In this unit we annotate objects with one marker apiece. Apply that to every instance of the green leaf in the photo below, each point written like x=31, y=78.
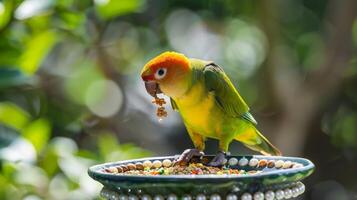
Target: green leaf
x=5, y=12
x=86, y=154
x=107, y=144
x=8, y=169
x=49, y=161
x=108, y=9
x=10, y=51
x=13, y=116
x=71, y=20
x=38, y=133
x=36, y=50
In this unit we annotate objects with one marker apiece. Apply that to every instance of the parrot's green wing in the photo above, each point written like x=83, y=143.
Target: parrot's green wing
x=226, y=96
x=173, y=104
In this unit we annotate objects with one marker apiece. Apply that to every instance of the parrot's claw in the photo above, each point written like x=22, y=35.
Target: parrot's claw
x=219, y=160
x=186, y=156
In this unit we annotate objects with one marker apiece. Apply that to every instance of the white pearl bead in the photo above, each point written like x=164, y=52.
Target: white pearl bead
x=215, y=197
x=114, y=197
x=166, y=163
x=295, y=191
x=269, y=195
x=243, y=162
x=147, y=163
x=258, y=196
x=279, y=164
x=158, y=197
x=231, y=197
x=287, y=164
x=233, y=161
x=186, y=197
x=288, y=193
x=132, y=197
x=253, y=162
x=145, y=197
x=172, y=197
x=299, y=184
x=200, y=197
x=302, y=188
x=246, y=196
x=279, y=194
x=157, y=164
x=104, y=194
x=123, y=197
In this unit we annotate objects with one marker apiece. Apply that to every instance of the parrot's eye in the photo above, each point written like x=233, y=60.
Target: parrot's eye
x=160, y=73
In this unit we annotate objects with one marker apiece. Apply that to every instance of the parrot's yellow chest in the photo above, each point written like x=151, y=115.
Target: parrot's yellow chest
x=196, y=109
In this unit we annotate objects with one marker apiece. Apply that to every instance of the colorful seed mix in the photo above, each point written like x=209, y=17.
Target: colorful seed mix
x=167, y=167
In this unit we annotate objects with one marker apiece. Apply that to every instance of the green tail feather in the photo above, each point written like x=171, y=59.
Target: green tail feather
x=265, y=147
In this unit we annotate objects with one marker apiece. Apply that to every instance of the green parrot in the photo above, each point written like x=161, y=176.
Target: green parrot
x=208, y=102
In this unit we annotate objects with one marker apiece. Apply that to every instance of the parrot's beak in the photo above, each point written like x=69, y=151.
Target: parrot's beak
x=152, y=88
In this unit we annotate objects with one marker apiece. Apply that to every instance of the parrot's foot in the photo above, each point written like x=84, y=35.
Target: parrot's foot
x=186, y=156
x=218, y=160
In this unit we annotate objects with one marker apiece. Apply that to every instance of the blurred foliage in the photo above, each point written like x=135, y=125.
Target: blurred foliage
x=69, y=85
x=40, y=157
x=110, y=8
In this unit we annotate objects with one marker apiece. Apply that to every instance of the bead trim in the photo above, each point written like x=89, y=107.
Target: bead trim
x=284, y=193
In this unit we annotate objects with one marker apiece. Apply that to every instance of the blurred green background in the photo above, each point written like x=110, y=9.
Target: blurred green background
x=71, y=95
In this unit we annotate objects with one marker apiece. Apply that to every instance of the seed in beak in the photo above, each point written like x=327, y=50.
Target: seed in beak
x=152, y=88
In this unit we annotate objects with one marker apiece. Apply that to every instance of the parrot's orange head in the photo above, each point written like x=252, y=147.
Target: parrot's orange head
x=166, y=73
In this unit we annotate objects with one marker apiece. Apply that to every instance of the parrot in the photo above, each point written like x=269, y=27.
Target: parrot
x=209, y=104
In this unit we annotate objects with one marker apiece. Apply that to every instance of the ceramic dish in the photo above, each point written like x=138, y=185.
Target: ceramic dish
x=286, y=174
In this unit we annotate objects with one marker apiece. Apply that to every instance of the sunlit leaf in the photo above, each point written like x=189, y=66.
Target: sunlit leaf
x=10, y=51
x=86, y=154
x=36, y=50
x=107, y=144
x=39, y=24
x=112, y=8
x=71, y=20
x=64, y=3
x=5, y=12
x=13, y=116
x=38, y=133
x=49, y=162
x=8, y=169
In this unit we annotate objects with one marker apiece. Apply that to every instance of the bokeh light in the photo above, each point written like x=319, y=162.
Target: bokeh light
x=104, y=98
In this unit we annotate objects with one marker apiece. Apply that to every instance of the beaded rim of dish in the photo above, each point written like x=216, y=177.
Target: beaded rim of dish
x=233, y=161
x=284, y=193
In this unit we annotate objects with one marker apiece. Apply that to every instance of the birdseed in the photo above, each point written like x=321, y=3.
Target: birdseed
x=160, y=112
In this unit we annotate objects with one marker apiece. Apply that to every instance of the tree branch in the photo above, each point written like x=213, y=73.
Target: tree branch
x=302, y=100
